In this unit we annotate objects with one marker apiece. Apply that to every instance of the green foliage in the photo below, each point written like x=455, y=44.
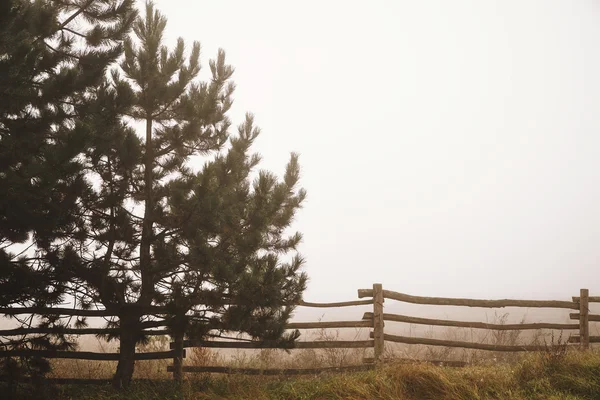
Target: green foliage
x=46, y=73
x=211, y=244
x=49, y=63
x=117, y=217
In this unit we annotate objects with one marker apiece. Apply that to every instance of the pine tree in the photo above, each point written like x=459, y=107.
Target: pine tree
x=52, y=54
x=209, y=245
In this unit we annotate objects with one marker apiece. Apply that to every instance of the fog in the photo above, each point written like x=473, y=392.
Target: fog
x=448, y=148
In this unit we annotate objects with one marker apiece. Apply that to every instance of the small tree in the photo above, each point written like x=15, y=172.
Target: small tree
x=154, y=232
x=52, y=54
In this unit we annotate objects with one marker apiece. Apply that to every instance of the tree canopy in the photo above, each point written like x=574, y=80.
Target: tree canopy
x=176, y=214
x=52, y=54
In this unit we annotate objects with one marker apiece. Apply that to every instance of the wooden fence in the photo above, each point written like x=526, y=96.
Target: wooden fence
x=580, y=303
x=374, y=320
x=178, y=369
x=77, y=355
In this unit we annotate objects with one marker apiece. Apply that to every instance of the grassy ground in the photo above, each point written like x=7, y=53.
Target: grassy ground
x=557, y=373
x=564, y=376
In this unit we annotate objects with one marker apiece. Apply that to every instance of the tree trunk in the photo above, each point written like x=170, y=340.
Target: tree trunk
x=147, y=289
x=130, y=326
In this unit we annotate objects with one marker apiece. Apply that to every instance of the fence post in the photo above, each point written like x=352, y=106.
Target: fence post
x=378, y=320
x=178, y=357
x=584, y=325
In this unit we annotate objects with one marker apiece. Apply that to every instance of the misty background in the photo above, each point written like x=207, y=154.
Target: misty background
x=448, y=148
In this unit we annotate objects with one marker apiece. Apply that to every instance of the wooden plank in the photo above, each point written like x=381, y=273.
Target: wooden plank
x=266, y=345
x=339, y=344
x=584, y=323
x=591, y=299
x=72, y=331
x=441, y=363
x=465, y=324
x=576, y=339
x=443, y=301
x=591, y=317
x=65, y=381
x=74, y=311
x=57, y=311
x=378, y=323
x=331, y=324
x=256, y=371
x=339, y=304
x=103, y=331
x=464, y=345
x=85, y=355
x=79, y=381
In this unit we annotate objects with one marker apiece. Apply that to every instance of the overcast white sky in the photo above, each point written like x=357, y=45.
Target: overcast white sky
x=449, y=148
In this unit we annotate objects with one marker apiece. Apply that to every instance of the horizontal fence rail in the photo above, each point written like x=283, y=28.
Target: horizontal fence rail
x=591, y=317
x=325, y=344
x=443, y=301
x=75, y=311
x=269, y=371
x=338, y=304
x=591, y=339
x=78, y=381
x=591, y=299
x=466, y=324
x=74, y=331
x=57, y=311
x=464, y=345
x=330, y=324
x=446, y=363
x=85, y=355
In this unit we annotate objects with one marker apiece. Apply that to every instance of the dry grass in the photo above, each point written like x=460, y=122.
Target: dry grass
x=312, y=358
x=548, y=338
x=155, y=369
x=550, y=375
x=553, y=374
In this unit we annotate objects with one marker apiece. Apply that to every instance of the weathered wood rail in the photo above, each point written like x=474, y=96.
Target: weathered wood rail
x=464, y=345
x=325, y=344
x=77, y=311
x=339, y=304
x=590, y=317
x=591, y=299
x=468, y=324
x=272, y=371
x=442, y=301
x=85, y=355
x=591, y=339
x=329, y=325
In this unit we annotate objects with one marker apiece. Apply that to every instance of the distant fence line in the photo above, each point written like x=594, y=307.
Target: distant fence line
x=374, y=320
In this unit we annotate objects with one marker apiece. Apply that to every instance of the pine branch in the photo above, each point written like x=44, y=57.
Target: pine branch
x=74, y=32
x=61, y=52
x=74, y=15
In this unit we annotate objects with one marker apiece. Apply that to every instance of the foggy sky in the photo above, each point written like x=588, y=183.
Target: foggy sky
x=449, y=148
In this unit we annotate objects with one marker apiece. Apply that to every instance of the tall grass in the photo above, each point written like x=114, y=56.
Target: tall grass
x=557, y=373
x=543, y=376
x=313, y=358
